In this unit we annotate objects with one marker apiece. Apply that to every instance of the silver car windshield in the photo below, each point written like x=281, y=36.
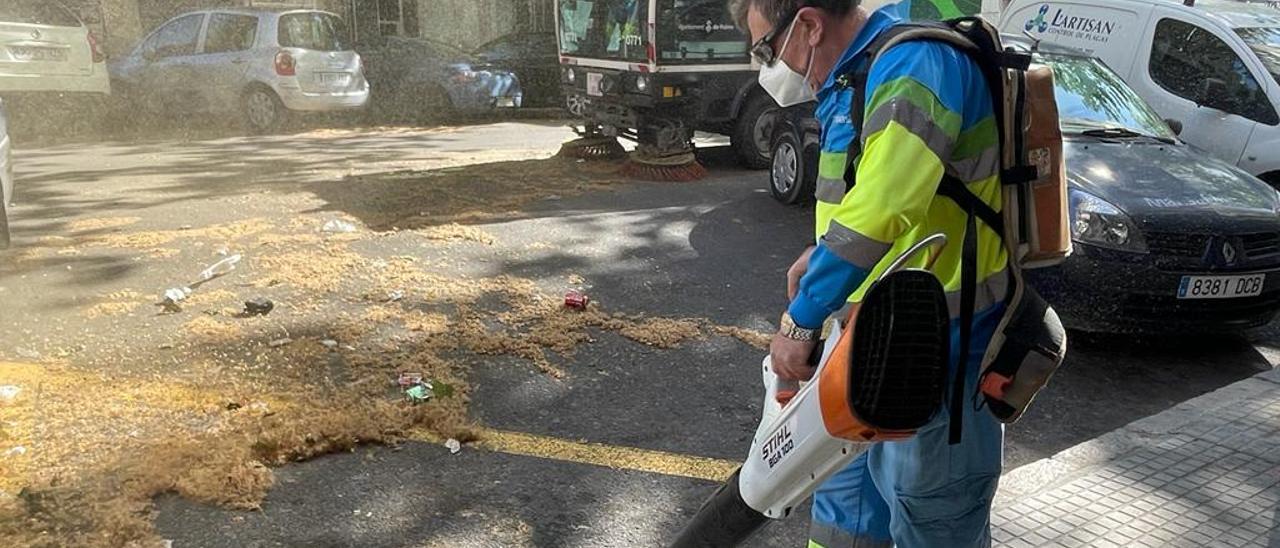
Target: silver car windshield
x=1265, y=42
x=1091, y=96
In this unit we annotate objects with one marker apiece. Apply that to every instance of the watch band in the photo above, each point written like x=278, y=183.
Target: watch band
x=790, y=330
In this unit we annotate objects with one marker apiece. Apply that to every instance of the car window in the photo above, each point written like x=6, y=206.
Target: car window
x=313, y=30
x=1184, y=57
x=503, y=48
x=37, y=12
x=230, y=32
x=178, y=37
x=1265, y=42
x=1091, y=96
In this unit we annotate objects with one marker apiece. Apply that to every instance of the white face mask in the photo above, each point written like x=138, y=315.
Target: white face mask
x=786, y=86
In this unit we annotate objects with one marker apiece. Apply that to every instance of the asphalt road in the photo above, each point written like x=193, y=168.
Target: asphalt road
x=714, y=249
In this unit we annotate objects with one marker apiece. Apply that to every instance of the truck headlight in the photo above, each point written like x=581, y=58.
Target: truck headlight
x=1095, y=221
x=570, y=75
x=642, y=83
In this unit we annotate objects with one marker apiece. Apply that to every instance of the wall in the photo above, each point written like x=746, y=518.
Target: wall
x=471, y=23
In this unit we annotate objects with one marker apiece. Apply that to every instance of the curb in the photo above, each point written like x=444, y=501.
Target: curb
x=1180, y=419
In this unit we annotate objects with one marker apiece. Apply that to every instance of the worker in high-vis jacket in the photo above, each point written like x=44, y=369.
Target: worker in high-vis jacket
x=928, y=113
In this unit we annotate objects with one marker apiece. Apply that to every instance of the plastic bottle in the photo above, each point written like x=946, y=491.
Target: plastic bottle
x=220, y=268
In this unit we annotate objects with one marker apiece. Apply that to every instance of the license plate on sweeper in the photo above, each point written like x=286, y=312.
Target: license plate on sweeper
x=1221, y=287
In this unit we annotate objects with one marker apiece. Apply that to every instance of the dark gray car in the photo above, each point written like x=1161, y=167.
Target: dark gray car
x=414, y=78
x=1167, y=238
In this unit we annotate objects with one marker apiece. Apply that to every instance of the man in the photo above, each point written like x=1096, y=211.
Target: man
x=928, y=112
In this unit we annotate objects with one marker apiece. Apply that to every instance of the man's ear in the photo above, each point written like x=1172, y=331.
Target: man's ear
x=812, y=19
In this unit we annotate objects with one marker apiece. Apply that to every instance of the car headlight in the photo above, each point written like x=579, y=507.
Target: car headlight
x=1095, y=221
x=642, y=83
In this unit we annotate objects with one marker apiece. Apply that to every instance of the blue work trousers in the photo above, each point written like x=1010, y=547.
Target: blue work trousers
x=921, y=492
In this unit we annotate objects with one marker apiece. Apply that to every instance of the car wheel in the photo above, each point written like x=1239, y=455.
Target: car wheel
x=792, y=171
x=438, y=103
x=263, y=111
x=751, y=135
x=4, y=220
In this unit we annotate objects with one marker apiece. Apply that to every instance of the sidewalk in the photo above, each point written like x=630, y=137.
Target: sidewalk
x=1203, y=473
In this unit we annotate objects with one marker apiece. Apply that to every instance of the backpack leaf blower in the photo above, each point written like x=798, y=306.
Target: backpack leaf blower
x=882, y=377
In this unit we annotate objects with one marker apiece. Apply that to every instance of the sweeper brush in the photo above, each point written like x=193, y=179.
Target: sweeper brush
x=594, y=147
x=681, y=167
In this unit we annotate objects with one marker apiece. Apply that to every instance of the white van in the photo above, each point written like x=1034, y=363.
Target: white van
x=1212, y=66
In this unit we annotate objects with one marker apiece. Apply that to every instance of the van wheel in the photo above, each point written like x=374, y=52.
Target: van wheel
x=754, y=130
x=793, y=171
x=263, y=111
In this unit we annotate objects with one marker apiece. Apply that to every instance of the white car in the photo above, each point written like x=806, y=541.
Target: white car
x=45, y=48
x=262, y=64
x=6, y=175
x=1212, y=66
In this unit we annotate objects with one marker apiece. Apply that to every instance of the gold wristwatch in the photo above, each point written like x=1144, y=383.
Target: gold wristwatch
x=790, y=330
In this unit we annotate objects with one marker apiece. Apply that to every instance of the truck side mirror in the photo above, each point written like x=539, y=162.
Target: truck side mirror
x=1213, y=93
x=1175, y=125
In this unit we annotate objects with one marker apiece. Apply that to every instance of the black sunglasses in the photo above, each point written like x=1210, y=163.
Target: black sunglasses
x=762, y=51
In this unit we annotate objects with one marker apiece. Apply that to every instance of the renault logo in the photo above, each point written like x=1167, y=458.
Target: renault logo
x=35, y=34
x=1229, y=253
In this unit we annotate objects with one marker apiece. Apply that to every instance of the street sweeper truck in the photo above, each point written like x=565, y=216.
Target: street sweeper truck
x=654, y=72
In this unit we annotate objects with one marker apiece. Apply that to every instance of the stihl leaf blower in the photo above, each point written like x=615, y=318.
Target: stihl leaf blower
x=880, y=377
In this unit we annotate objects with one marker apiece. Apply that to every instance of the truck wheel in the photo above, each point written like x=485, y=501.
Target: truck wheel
x=752, y=134
x=793, y=172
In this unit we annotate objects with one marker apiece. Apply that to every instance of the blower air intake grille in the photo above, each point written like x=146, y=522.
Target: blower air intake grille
x=901, y=350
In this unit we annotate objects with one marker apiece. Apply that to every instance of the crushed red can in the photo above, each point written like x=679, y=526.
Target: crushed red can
x=576, y=300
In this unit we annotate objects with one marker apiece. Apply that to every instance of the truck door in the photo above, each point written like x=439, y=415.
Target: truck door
x=1194, y=75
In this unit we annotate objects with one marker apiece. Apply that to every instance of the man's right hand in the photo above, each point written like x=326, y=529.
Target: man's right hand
x=796, y=272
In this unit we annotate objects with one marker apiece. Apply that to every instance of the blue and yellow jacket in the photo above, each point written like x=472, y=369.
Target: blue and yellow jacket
x=928, y=113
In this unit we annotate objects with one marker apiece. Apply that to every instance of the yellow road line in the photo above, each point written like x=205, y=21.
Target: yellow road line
x=609, y=456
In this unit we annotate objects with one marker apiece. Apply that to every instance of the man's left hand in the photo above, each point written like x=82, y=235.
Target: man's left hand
x=791, y=358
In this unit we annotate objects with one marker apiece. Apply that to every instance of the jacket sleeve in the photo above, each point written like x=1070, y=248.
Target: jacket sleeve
x=910, y=126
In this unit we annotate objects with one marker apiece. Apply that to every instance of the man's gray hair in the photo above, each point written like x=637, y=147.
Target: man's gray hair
x=775, y=10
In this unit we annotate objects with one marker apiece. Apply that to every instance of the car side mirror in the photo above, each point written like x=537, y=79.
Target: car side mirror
x=1213, y=93
x=1175, y=125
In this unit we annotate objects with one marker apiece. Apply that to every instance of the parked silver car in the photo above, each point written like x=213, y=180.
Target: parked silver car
x=262, y=64
x=6, y=175
x=45, y=48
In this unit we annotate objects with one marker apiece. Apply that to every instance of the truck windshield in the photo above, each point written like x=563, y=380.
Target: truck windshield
x=1090, y=96
x=1265, y=41
x=699, y=31
x=604, y=29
